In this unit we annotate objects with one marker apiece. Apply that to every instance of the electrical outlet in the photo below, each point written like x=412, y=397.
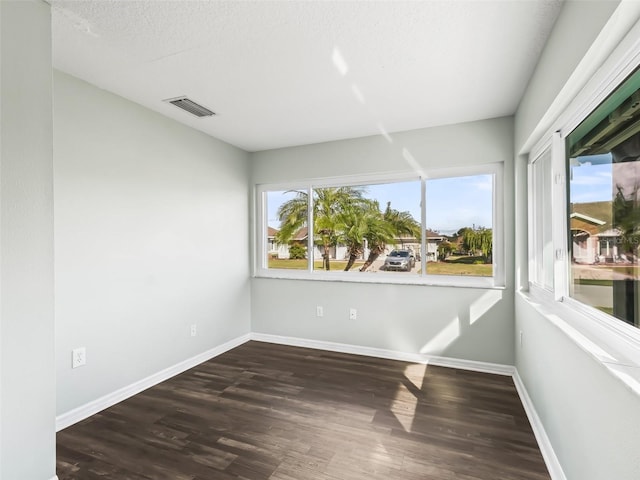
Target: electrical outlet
x=78, y=357
x=319, y=311
x=521, y=336
x=194, y=330
x=353, y=314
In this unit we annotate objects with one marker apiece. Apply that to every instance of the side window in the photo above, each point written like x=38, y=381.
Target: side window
x=541, y=238
x=604, y=205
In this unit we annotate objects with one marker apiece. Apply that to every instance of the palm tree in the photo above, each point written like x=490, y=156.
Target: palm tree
x=356, y=223
x=392, y=225
x=328, y=204
x=293, y=216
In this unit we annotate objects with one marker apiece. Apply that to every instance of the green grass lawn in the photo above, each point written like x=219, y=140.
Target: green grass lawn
x=317, y=265
x=463, y=265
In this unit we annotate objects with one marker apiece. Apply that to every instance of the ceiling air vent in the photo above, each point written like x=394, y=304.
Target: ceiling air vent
x=190, y=106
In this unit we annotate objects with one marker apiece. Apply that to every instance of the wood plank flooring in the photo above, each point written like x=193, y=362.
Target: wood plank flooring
x=264, y=411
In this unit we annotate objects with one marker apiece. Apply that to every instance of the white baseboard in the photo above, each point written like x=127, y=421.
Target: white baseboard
x=549, y=455
x=472, y=365
x=55, y=477
x=84, y=411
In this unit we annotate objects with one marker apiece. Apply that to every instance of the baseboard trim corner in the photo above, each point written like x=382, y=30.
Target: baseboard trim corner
x=549, y=455
x=84, y=411
x=472, y=365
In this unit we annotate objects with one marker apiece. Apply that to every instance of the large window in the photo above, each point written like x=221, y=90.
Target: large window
x=410, y=230
x=604, y=205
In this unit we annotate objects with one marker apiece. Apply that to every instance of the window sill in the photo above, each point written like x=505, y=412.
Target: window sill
x=384, y=278
x=619, y=355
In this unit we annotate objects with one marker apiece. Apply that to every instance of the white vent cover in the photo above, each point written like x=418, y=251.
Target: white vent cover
x=190, y=106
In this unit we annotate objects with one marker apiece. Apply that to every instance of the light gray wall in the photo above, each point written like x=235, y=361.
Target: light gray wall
x=577, y=26
x=27, y=375
x=151, y=228
x=472, y=324
x=591, y=418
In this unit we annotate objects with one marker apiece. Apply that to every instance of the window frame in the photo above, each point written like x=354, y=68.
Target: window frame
x=497, y=280
x=600, y=328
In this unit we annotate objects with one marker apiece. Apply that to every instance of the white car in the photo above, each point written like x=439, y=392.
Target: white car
x=402, y=260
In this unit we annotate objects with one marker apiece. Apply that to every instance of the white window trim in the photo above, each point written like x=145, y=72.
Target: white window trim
x=612, y=341
x=496, y=281
x=533, y=189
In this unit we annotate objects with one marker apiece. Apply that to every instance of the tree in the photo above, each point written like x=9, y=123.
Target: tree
x=445, y=249
x=626, y=218
x=328, y=203
x=355, y=222
x=392, y=225
x=478, y=240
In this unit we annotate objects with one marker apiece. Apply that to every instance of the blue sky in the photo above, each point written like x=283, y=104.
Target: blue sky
x=452, y=203
x=590, y=179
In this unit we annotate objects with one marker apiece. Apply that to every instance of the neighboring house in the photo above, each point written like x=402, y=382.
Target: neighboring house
x=593, y=236
x=339, y=251
x=433, y=240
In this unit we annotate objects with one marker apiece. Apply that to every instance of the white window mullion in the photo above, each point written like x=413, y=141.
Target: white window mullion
x=559, y=217
x=498, y=227
x=532, y=224
x=310, y=230
x=423, y=226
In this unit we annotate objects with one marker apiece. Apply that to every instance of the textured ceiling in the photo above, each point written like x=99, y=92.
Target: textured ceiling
x=282, y=73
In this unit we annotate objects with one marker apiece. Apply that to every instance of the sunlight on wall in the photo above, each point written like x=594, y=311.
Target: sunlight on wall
x=483, y=304
x=581, y=340
x=384, y=133
x=443, y=339
x=357, y=93
x=413, y=163
x=339, y=61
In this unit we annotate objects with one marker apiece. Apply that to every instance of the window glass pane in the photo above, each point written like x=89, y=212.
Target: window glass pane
x=286, y=232
x=542, y=222
x=604, y=207
x=459, y=233
x=369, y=228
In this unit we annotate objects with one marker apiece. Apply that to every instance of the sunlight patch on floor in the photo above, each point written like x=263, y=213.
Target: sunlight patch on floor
x=406, y=399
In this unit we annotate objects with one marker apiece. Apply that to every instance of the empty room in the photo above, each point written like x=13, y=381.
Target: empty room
x=319, y=240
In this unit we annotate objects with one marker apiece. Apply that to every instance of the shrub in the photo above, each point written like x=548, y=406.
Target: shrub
x=297, y=251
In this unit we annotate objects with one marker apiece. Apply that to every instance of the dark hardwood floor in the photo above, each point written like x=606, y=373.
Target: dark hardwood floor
x=264, y=411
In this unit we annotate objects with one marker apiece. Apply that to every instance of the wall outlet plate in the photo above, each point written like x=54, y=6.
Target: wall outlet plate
x=353, y=314
x=78, y=357
x=194, y=330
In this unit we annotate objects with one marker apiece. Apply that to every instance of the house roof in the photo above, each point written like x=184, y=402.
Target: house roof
x=301, y=234
x=272, y=232
x=591, y=217
x=431, y=234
